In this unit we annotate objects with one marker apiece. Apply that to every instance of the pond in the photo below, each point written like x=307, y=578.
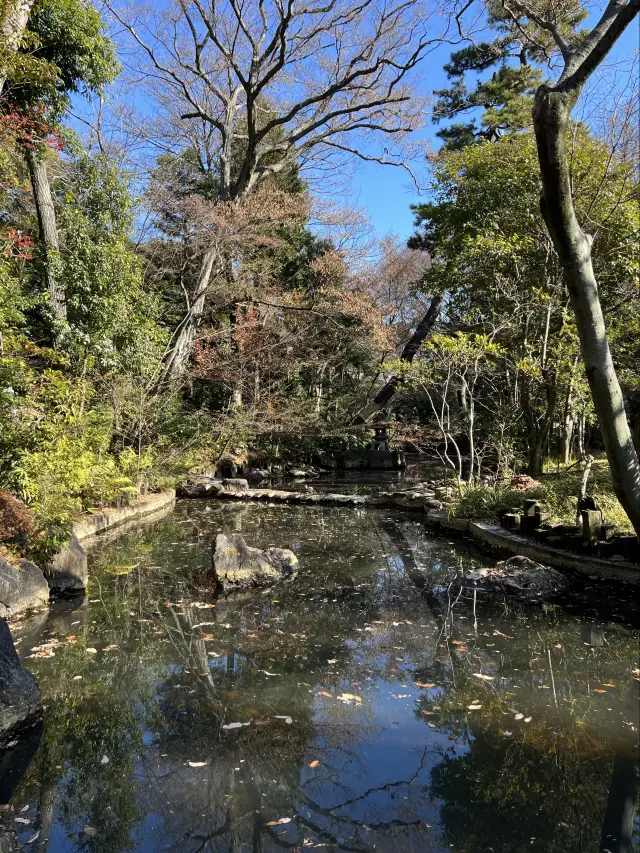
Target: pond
x=349, y=709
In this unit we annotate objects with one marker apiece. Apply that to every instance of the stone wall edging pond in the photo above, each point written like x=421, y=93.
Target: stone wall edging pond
x=24, y=586
x=99, y=521
x=491, y=537
x=485, y=534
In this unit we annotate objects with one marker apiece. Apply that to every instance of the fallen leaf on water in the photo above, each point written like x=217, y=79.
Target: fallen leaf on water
x=500, y=634
x=348, y=697
x=22, y=820
x=234, y=725
x=599, y=691
x=604, y=684
x=33, y=837
x=422, y=684
x=198, y=763
x=91, y=651
x=268, y=673
x=324, y=693
x=483, y=677
x=288, y=720
x=314, y=764
x=431, y=725
x=333, y=660
x=519, y=717
x=528, y=719
x=278, y=822
x=475, y=707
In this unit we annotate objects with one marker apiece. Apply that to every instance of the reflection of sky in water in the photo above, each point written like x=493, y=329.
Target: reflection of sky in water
x=382, y=751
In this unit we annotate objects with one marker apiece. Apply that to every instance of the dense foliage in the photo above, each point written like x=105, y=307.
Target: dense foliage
x=163, y=311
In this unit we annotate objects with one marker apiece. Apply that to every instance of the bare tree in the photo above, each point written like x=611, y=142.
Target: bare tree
x=581, y=54
x=276, y=83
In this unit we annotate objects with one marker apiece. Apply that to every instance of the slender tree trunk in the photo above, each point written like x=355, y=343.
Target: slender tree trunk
x=551, y=115
x=568, y=422
x=179, y=355
x=580, y=435
x=423, y=330
x=12, y=26
x=48, y=232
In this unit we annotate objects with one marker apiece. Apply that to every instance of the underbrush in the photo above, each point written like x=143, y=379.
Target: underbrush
x=557, y=491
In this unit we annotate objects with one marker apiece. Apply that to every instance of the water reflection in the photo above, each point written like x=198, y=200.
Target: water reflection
x=350, y=709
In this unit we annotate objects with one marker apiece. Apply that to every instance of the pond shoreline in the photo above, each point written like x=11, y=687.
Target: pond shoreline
x=485, y=534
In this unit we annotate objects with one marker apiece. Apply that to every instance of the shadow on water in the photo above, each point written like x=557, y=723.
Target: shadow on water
x=350, y=709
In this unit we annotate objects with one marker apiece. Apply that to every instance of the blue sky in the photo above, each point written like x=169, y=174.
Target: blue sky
x=385, y=191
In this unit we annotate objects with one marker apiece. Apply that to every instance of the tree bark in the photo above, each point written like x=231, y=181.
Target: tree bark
x=177, y=359
x=422, y=332
x=48, y=228
x=551, y=116
x=12, y=27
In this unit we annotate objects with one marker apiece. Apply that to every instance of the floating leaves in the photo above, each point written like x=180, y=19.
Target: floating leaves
x=228, y=726
x=422, y=684
x=279, y=822
x=347, y=698
x=483, y=677
x=198, y=763
x=314, y=764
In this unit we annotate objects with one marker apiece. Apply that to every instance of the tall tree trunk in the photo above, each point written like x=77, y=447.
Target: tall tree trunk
x=551, y=116
x=423, y=329
x=48, y=232
x=568, y=424
x=178, y=357
x=12, y=26
x=538, y=427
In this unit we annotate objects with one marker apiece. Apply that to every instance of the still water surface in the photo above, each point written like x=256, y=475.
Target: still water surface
x=375, y=715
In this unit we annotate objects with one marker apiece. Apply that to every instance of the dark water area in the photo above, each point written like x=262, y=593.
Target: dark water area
x=365, y=482
x=348, y=709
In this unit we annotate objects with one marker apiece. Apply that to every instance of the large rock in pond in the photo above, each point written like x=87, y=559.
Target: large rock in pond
x=20, y=699
x=68, y=571
x=199, y=486
x=22, y=586
x=236, y=484
x=520, y=577
x=237, y=566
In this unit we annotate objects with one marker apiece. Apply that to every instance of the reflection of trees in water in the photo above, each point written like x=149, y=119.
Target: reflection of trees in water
x=178, y=680
x=513, y=796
